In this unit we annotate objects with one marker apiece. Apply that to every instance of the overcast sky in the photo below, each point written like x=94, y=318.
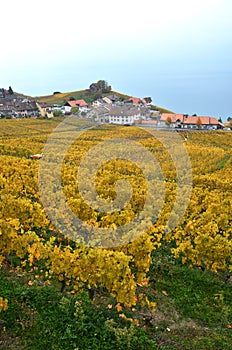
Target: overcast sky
x=178, y=52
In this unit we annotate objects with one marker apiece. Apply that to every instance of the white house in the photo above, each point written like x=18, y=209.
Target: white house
x=127, y=115
x=81, y=104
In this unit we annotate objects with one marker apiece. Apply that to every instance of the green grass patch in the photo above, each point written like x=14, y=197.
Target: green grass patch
x=194, y=311
x=223, y=162
x=44, y=318
x=88, y=97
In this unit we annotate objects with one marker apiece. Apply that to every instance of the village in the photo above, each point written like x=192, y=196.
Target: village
x=108, y=108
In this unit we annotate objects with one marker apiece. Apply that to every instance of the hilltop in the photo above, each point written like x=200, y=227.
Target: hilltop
x=95, y=91
x=87, y=95
x=100, y=103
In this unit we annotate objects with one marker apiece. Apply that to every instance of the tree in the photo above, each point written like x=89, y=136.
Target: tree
x=74, y=110
x=168, y=121
x=229, y=124
x=2, y=93
x=10, y=91
x=109, y=88
x=93, y=87
x=97, y=95
x=101, y=86
x=199, y=123
x=57, y=113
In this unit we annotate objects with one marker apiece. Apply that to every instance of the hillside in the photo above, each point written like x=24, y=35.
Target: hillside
x=57, y=294
x=88, y=96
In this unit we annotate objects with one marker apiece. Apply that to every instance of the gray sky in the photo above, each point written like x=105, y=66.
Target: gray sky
x=178, y=52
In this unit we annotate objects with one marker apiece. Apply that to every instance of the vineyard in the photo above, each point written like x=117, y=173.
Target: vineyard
x=41, y=248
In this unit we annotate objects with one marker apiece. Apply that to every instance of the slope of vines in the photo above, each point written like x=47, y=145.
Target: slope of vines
x=202, y=238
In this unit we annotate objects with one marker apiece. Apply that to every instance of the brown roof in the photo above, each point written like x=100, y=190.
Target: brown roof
x=17, y=105
x=127, y=111
x=147, y=99
x=113, y=98
x=100, y=110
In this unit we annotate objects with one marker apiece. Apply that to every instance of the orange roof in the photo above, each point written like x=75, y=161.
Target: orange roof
x=205, y=120
x=174, y=117
x=77, y=103
x=136, y=100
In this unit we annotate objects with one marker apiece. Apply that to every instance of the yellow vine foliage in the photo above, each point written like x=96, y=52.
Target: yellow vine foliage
x=3, y=304
x=203, y=237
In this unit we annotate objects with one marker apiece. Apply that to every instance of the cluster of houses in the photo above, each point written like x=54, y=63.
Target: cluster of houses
x=109, y=109
x=184, y=121
x=137, y=111
x=14, y=106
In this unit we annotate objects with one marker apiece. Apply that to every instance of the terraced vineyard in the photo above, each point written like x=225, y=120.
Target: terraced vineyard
x=131, y=278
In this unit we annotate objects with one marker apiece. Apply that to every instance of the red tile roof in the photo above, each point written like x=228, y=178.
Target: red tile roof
x=173, y=117
x=136, y=100
x=205, y=120
x=77, y=103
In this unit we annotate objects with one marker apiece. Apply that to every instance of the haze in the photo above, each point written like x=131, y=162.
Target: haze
x=178, y=52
